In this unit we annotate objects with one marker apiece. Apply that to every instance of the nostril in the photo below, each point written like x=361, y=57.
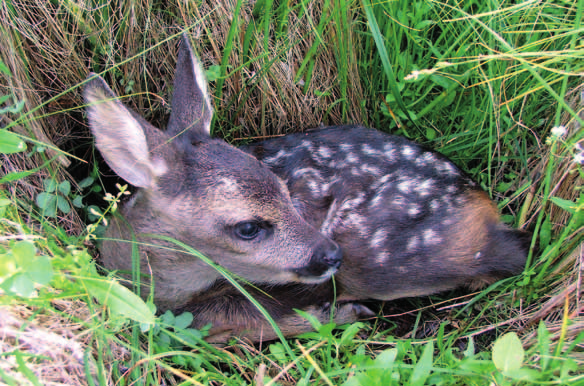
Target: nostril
x=333, y=256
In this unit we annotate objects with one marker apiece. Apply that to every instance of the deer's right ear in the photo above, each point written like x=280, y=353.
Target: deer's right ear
x=119, y=135
x=191, y=106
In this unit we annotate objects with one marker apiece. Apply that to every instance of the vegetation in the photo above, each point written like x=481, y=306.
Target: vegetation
x=495, y=86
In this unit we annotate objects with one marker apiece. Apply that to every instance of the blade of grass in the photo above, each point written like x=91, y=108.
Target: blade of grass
x=229, y=44
x=380, y=44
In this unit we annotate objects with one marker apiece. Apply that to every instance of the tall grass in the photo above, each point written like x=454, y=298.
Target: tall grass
x=482, y=82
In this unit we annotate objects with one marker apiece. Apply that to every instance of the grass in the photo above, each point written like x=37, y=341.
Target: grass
x=482, y=82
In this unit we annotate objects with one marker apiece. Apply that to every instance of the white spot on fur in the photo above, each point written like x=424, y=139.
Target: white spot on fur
x=399, y=201
x=431, y=237
x=447, y=203
x=358, y=222
x=314, y=188
x=405, y=186
x=382, y=257
x=352, y=203
x=478, y=255
x=346, y=146
x=446, y=168
x=378, y=239
x=367, y=149
x=352, y=158
x=425, y=187
x=159, y=166
x=451, y=189
x=369, y=169
x=434, y=204
x=376, y=200
x=382, y=181
x=413, y=243
x=408, y=152
x=414, y=210
x=312, y=178
x=331, y=220
x=304, y=172
x=425, y=159
x=324, y=152
x=389, y=150
x=449, y=220
x=274, y=159
x=306, y=144
x=338, y=165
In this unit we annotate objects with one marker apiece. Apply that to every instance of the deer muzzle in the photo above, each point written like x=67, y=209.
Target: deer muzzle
x=324, y=262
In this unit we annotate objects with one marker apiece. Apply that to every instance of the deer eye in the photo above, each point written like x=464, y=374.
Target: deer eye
x=248, y=230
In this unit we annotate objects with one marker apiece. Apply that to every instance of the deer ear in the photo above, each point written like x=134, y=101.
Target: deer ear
x=191, y=107
x=119, y=135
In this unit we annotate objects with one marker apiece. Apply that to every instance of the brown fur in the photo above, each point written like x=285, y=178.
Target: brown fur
x=231, y=314
x=468, y=235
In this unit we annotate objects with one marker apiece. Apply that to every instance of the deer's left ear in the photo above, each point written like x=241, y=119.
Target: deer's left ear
x=120, y=136
x=191, y=106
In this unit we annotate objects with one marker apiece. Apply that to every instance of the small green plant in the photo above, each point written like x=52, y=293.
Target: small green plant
x=413, y=364
x=10, y=142
x=172, y=332
x=98, y=217
x=22, y=267
x=213, y=73
x=17, y=106
x=120, y=301
x=54, y=197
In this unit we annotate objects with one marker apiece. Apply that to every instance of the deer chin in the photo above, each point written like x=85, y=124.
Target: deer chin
x=316, y=279
x=286, y=277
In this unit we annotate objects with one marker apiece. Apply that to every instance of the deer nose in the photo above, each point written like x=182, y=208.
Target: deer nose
x=325, y=260
x=331, y=256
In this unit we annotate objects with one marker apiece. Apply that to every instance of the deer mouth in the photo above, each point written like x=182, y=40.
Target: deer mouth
x=315, y=275
x=324, y=262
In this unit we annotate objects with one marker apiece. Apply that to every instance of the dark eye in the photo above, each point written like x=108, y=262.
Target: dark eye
x=247, y=230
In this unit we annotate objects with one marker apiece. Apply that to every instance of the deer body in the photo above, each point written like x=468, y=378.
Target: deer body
x=387, y=217
x=408, y=220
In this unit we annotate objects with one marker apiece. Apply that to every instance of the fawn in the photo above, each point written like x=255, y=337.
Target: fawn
x=388, y=218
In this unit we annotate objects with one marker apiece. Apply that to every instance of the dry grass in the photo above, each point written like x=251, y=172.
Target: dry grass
x=258, y=99
x=57, y=345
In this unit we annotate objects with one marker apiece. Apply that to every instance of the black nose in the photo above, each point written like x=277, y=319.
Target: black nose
x=326, y=258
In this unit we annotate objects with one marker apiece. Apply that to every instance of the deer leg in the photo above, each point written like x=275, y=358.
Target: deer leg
x=232, y=314
x=293, y=324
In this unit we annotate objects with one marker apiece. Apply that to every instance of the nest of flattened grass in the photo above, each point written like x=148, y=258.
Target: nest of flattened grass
x=269, y=78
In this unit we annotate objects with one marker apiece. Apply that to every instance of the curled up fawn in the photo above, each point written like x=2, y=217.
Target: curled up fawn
x=385, y=216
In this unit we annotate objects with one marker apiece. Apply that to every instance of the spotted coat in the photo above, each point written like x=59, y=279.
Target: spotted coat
x=396, y=208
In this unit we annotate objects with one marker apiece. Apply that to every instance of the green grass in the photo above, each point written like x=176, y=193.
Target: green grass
x=481, y=82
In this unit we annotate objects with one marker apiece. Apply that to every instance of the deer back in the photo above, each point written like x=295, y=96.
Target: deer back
x=409, y=222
